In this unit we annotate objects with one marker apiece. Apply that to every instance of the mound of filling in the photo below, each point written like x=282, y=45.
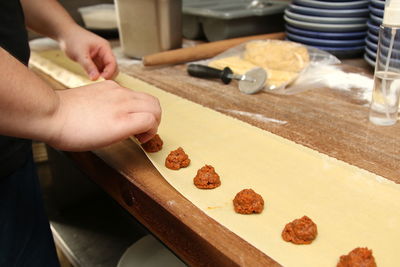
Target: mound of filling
x=247, y=202
x=358, y=257
x=207, y=178
x=177, y=159
x=300, y=231
x=153, y=145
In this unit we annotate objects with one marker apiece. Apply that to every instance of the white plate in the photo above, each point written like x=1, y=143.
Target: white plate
x=331, y=20
x=333, y=5
x=149, y=252
x=378, y=3
x=324, y=42
x=376, y=11
x=371, y=44
x=372, y=36
x=369, y=60
x=325, y=27
x=373, y=28
x=320, y=12
x=326, y=35
x=375, y=19
x=370, y=53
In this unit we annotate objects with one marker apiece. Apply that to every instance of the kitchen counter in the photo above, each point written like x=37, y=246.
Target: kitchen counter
x=333, y=122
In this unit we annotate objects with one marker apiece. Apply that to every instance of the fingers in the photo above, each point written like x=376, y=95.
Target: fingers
x=102, y=113
x=92, y=52
x=147, y=103
x=105, y=62
x=100, y=62
x=145, y=137
x=143, y=110
x=110, y=69
x=135, y=102
x=89, y=66
x=143, y=125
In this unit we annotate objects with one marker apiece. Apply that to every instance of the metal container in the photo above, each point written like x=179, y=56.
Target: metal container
x=149, y=26
x=224, y=19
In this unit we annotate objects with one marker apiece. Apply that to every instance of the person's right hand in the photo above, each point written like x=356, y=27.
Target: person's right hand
x=93, y=116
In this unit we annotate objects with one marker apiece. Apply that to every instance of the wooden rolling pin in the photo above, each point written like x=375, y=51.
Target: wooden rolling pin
x=202, y=51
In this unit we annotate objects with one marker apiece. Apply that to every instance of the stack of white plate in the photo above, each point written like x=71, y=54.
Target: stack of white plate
x=336, y=26
x=376, y=9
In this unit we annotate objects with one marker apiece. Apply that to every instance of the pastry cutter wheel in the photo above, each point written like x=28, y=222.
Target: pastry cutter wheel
x=250, y=83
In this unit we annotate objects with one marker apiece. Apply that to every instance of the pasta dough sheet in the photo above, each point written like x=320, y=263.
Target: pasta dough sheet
x=352, y=207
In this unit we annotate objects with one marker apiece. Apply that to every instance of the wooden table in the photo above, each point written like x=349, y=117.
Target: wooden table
x=330, y=121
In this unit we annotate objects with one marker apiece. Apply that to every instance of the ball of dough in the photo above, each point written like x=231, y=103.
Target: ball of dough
x=247, y=202
x=153, y=145
x=300, y=231
x=207, y=178
x=358, y=257
x=177, y=159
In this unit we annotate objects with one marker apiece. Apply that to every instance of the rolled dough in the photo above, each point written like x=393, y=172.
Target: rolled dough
x=352, y=207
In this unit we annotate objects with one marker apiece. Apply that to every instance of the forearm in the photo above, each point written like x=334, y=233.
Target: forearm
x=27, y=104
x=48, y=17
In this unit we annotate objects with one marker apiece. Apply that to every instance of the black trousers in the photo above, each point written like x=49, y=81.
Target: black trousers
x=25, y=235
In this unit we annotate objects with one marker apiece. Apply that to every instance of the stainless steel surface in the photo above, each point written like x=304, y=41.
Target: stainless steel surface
x=253, y=82
x=240, y=77
x=88, y=226
x=224, y=19
x=232, y=9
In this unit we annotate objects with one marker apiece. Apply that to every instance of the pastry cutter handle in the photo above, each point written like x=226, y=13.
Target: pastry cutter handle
x=202, y=71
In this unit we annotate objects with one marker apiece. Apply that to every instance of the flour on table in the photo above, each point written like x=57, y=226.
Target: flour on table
x=256, y=116
x=333, y=77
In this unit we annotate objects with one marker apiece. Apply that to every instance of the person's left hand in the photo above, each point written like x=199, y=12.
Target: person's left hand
x=91, y=51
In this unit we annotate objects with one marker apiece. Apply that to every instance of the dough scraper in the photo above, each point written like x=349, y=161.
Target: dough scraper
x=250, y=83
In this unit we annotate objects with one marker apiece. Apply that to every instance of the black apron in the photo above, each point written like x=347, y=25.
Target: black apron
x=13, y=38
x=25, y=236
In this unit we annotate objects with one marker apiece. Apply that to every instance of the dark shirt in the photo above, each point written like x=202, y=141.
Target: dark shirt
x=13, y=38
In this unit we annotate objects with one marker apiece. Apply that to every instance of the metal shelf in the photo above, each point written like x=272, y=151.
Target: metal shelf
x=88, y=226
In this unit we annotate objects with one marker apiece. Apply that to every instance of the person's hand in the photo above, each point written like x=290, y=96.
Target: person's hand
x=93, y=116
x=91, y=51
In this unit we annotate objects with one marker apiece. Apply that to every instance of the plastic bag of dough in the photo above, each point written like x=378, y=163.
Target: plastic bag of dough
x=283, y=61
x=283, y=56
x=276, y=78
